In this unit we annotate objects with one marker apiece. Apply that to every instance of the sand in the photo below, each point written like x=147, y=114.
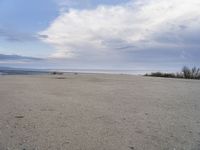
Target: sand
x=99, y=112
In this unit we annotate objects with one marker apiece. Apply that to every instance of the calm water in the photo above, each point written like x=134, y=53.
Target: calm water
x=32, y=72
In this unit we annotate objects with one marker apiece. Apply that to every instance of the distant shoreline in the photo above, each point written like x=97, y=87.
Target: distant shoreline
x=16, y=71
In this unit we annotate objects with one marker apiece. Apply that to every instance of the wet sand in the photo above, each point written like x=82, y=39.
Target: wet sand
x=99, y=112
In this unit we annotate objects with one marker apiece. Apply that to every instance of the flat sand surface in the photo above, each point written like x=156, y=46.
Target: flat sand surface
x=99, y=112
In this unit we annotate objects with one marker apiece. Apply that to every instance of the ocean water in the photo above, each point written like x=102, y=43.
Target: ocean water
x=104, y=71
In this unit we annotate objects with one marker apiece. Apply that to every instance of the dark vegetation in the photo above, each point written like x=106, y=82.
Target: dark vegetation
x=56, y=73
x=186, y=73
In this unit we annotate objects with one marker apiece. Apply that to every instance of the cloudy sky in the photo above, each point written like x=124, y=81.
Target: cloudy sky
x=100, y=34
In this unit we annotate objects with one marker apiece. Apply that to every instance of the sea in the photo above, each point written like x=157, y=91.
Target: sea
x=14, y=71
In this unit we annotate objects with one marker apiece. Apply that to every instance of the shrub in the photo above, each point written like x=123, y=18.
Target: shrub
x=159, y=74
x=179, y=75
x=186, y=73
x=56, y=73
x=193, y=73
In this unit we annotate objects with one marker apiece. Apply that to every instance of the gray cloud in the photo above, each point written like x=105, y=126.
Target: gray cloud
x=4, y=57
x=118, y=44
x=179, y=33
x=15, y=36
x=42, y=36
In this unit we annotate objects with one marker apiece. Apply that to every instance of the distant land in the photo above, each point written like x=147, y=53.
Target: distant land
x=31, y=71
x=20, y=71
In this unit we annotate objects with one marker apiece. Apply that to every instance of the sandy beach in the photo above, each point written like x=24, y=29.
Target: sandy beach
x=98, y=112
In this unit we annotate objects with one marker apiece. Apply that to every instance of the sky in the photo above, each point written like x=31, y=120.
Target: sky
x=100, y=34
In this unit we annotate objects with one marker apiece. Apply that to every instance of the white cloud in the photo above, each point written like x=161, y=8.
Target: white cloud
x=111, y=30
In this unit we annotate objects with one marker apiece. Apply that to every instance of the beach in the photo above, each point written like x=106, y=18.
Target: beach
x=98, y=112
